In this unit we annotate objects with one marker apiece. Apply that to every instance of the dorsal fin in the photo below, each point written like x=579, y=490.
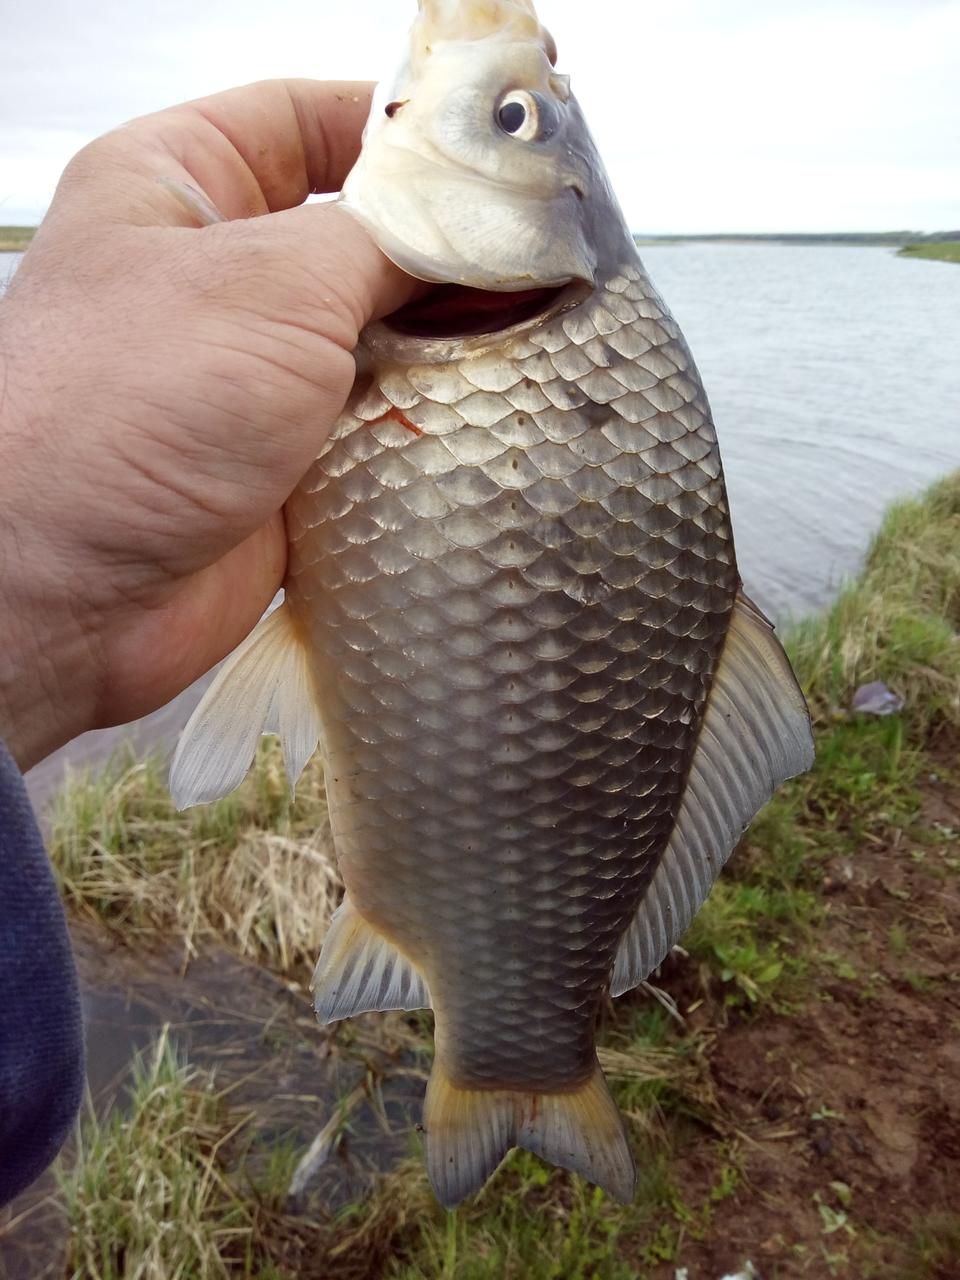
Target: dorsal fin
x=755, y=734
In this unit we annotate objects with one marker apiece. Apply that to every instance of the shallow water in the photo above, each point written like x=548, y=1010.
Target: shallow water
x=835, y=384
x=259, y=1036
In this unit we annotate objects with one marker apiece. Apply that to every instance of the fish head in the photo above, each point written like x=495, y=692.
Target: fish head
x=477, y=166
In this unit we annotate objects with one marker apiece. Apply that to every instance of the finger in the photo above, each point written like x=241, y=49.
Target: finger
x=327, y=272
x=260, y=148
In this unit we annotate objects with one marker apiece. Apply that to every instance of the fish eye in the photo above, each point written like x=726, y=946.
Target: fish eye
x=528, y=117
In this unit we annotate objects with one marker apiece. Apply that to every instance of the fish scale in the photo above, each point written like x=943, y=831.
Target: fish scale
x=508, y=683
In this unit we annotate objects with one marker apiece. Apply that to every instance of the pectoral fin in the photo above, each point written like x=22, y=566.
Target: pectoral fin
x=264, y=686
x=755, y=734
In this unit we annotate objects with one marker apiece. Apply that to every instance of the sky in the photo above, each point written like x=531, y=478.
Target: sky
x=711, y=115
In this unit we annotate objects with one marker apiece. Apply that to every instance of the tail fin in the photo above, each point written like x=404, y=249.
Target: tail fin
x=469, y=1131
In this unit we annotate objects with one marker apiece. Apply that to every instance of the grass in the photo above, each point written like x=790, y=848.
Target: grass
x=898, y=623
x=253, y=870
x=944, y=251
x=256, y=872
x=147, y=1196
x=15, y=239
x=930, y=1253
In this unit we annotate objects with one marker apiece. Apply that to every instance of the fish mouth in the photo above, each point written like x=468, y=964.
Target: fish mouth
x=452, y=311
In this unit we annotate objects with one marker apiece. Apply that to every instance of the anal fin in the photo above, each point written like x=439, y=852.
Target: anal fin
x=469, y=1131
x=265, y=685
x=755, y=734
x=361, y=971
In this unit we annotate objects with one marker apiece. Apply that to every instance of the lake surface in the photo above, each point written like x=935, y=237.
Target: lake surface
x=834, y=375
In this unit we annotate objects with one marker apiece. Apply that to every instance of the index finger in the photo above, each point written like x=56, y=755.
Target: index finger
x=252, y=150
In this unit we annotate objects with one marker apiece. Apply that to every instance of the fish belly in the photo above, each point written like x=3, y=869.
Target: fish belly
x=513, y=613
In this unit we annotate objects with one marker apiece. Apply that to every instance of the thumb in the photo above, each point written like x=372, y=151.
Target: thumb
x=339, y=279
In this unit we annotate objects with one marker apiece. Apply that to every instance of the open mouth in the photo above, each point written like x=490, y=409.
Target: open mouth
x=455, y=311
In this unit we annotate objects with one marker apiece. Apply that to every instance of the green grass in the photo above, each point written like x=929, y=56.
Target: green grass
x=945, y=251
x=898, y=623
x=15, y=239
x=931, y=1253
x=531, y=1224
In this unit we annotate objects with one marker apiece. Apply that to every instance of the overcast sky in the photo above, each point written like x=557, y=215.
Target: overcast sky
x=712, y=115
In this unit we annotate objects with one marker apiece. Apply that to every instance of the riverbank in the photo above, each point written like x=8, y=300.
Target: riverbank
x=946, y=251
x=16, y=239
x=801, y=1112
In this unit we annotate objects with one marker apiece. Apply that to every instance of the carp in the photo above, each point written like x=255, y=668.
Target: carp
x=513, y=620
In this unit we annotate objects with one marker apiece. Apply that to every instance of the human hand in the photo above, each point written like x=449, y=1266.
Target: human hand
x=163, y=388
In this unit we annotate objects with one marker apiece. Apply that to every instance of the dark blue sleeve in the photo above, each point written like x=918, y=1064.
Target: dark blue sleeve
x=41, y=1036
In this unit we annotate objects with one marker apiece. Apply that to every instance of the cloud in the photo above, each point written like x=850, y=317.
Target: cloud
x=711, y=114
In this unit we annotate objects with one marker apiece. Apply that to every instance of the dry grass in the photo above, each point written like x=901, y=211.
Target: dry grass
x=253, y=870
x=16, y=239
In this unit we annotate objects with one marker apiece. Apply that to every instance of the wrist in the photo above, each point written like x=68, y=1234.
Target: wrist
x=41, y=687
x=45, y=696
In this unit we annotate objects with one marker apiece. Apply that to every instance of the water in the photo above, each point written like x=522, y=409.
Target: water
x=835, y=384
x=8, y=265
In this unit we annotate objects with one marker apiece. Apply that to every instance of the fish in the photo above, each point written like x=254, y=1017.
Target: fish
x=513, y=621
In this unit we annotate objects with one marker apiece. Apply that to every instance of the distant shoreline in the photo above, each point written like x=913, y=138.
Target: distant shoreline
x=942, y=245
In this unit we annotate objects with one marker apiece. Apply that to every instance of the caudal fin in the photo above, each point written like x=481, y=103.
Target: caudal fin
x=469, y=1131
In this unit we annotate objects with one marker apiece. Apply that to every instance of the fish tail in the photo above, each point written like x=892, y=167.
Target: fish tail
x=469, y=1131
x=265, y=686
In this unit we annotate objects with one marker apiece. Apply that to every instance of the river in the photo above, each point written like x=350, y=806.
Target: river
x=834, y=377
